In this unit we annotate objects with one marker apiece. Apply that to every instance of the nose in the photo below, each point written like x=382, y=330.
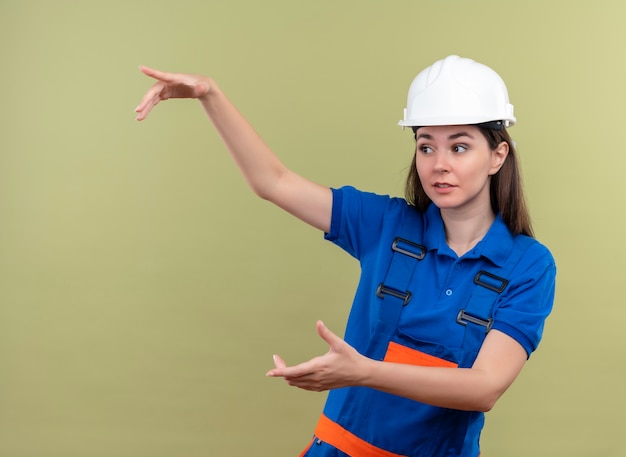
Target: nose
x=442, y=164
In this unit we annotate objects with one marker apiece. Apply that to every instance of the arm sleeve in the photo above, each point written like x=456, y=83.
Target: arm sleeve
x=523, y=309
x=358, y=218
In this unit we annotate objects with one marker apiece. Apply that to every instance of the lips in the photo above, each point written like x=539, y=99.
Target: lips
x=443, y=187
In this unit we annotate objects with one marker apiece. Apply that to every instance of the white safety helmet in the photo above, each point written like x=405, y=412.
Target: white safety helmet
x=458, y=91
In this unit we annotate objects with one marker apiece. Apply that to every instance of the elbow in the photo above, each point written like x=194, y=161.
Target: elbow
x=269, y=189
x=489, y=391
x=482, y=406
x=481, y=402
x=488, y=401
x=262, y=193
x=265, y=190
x=486, y=406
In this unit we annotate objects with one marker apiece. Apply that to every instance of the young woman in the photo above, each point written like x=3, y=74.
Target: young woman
x=454, y=289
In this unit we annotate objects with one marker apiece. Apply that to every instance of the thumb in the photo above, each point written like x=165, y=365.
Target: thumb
x=278, y=361
x=200, y=89
x=327, y=335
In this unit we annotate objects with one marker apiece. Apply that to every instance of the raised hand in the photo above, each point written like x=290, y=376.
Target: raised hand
x=266, y=175
x=171, y=85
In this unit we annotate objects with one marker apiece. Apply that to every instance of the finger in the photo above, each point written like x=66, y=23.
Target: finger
x=176, y=79
x=311, y=385
x=297, y=371
x=145, y=107
x=151, y=98
x=279, y=362
x=160, y=75
x=154, y=95
x=199, y=84
x=327, y=335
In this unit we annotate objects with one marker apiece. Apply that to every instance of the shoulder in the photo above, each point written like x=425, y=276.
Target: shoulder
x=352, y=202
x=506, y=250
x=354, y=194
x=533, y=252
x=361, y=219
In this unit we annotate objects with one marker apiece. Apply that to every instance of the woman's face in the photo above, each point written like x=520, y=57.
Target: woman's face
x=455, y=164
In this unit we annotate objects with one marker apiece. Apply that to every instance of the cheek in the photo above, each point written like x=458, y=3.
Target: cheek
x=420, y=167
x=422, y=174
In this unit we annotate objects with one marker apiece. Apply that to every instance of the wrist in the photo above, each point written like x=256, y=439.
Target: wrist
x=367, y=372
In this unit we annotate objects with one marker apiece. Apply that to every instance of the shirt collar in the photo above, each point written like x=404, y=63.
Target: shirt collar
x=495, y=246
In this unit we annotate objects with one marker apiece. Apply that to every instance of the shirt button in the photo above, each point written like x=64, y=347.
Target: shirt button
x=457, y=266
x=449, y=292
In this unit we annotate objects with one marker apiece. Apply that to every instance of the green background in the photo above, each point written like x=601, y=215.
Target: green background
x=143, y=288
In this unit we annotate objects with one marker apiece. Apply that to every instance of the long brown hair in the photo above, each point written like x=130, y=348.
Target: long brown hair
x=507, y=194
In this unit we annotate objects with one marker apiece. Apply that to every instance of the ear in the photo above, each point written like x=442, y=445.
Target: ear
x=498, y=157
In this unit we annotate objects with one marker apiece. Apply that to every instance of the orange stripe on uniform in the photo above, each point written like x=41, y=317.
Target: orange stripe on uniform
x=402, y=354
x=337, y=436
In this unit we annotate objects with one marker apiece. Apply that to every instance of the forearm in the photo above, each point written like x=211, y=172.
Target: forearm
x=456, y=388
x=499, y=362
x=257, y=162
x=261, y=168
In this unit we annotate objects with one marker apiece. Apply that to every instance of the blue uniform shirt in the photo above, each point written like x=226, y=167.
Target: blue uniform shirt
x=365, y=225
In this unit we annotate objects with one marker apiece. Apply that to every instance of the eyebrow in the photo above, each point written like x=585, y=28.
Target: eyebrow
x=454, y=136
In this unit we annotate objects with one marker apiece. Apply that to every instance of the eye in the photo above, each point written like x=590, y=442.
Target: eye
x=460, y=148
x=425, y=149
